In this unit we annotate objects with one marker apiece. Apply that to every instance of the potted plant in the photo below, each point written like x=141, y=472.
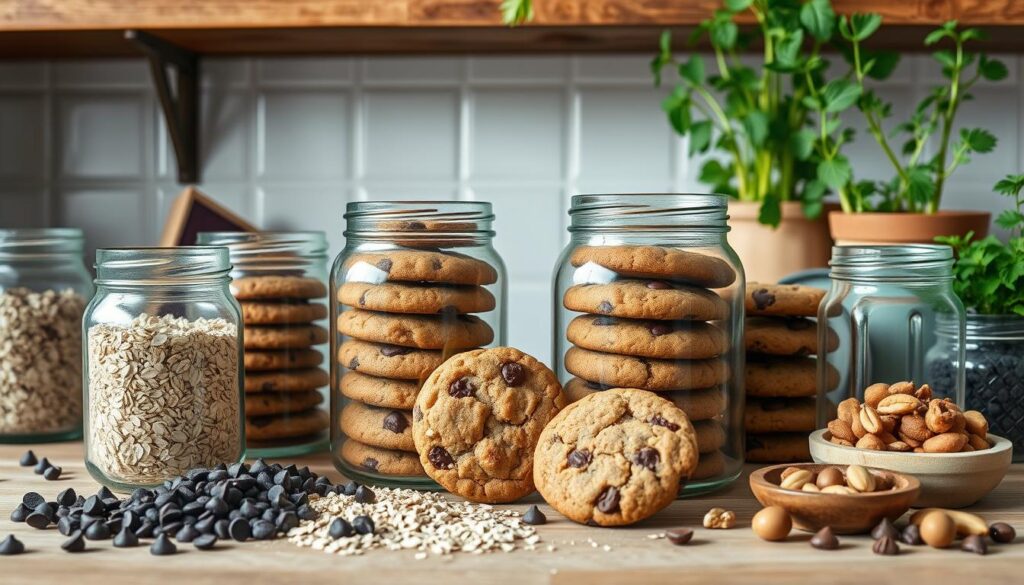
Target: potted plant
x=989, y=279
x=905, y=209
x=755, y=120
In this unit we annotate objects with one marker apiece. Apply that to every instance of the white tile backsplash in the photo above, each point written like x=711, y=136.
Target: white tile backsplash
x=287, y=142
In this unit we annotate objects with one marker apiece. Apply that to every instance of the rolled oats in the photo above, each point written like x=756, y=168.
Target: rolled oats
x=40, y=361
x=164, y=397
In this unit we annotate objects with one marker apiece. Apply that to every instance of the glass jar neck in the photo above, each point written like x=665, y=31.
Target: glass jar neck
x=41, y=245
x=272, y=252
x=185, y=267
x=984, y=328
x=668, y=217
x=420, y=223
x=913, y=264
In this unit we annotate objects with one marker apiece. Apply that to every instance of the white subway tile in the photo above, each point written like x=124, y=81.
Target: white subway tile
x=221, y=73
x=22, y=139
x=530, y=319
x=312, y=207
x=517, y=134
x=291, y=71
x=22, y=74
x=101, y=135
x=22, y=208
x=102, y=73
x=518, y=69
x=616, y=68
x=407, y=191
x=305, y=135
x=529, y=222
x=418, y=69
x=110, y=217
x=411, y=134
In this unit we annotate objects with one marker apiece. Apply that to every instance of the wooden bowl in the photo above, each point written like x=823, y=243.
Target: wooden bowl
x=948, y=480
x=846, y=514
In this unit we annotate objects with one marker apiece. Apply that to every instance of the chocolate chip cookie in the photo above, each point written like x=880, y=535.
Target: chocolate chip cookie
x=386, y=428
x=264, y=403
x=384, y=392
x=388, y=361
x=646, y=299
x=251, y=288
x=281, y=312
x=290, y=381
x=615, y=457
x=784, y=377
x=787, y=300
x=417, y=266
x=658, y=262
x=286, y=426
x=778, y=448
x=709, y=465
x=697, y=404
x=383, y=461
x=256, y=360
x=477, y=420
x=779, y=415
x=710, y=435
x=787, y=336
x=400, y=297
x=283, y=336
x=654, y=339
x=625, y=371
x=419, y=331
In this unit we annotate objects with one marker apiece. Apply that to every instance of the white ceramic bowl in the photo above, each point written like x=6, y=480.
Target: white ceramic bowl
x=948, y=480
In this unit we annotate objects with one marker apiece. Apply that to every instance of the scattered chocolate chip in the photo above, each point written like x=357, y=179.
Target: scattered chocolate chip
x=263, y=530
x=37, y=520
x=67, y=497
x=52, y=473
x=440, y=458
x=647, y=457
x=1002, y=532
x=162, y=546
x=394, y=350
x=659, y=329
x=604, y=307
x=205, y=542
x=353, y=364
x=67, y=525
x=825, y=539
x=20, y=513
x=911, y=535
x=762, y=299
x=462, y=388
x=363, y=525
x=603, y=321
x=74, y=543
x=661, y=421
x=340, y=528
x=974, y=543
x=240, y=530
x=11, y=546
x=126, y=538
x=97, y=531
x=679, y=536
x=370, y=463
x=395, y=422
x=350, y=489
x=93, y=506
x=534, y=516
x=885, y=528
x=886, y=546
x=608, y=501
x=579, y=458
x=365, y=495
x=187, y=533
x=27, y=460
x=514, y=373
x=42, y=466
x=385, y=264
x=32, y=500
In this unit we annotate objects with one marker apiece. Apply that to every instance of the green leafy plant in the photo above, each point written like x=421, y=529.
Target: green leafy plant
x=758, y=118
x=919, y=181
x=516, y=12
x=989, y=274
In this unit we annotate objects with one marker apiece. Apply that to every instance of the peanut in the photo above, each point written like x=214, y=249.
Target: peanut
x=899, y=446
x=789, y=471
x=838, y=489
x=860, y=479
x=924, y=393
x=899, y=404
x=890, y=422
x=940, y=418
x=847, y=410
x=874, y=394
x=870, y=420
x=915, y=427
x=719, y=518
x=945, y=443
x=977, y=442
x=810, y=487
x=840, y=429
x=913, y=443
x=976, y=423
x=902, y=388
x=797, y=479
x=871, y=442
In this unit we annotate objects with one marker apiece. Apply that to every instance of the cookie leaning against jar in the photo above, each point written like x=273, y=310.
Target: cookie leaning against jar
x=477, y=420
x=615, y=457
x=904, y=417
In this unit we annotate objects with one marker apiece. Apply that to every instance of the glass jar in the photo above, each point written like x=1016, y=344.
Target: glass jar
x=648, y=266
x=993, y=361
x=44, y=287
x=163, y=341
x=417, y=282
x=279, y=279
x=883, y=307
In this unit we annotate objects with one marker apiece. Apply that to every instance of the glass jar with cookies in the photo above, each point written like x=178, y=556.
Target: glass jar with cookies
x=280, y=280
x=417, y=282
x=649, y=295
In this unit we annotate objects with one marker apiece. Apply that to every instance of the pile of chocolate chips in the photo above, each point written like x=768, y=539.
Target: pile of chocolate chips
x=238, y=501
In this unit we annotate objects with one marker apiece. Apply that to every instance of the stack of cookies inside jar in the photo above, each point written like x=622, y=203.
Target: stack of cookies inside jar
x=781, y=338
x=399, y=314
x=650, y=318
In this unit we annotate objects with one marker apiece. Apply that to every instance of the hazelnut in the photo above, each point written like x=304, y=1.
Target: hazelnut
x=830, y=476
x=772, y=523
x=938, y=529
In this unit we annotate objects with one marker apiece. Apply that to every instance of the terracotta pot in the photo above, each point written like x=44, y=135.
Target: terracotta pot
x=905, y=228
x=769, y=254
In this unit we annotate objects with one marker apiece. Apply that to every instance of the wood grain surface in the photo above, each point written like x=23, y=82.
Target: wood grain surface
x=721, y=557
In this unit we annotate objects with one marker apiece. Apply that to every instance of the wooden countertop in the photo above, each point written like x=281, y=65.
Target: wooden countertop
x=714, y=556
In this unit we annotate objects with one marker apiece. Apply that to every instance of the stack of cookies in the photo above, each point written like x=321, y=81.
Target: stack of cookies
x=781, y=378
x=282, y=374
x=402, y=313
x=648, y=323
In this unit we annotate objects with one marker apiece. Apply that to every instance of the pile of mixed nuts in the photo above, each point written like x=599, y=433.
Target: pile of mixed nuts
x=832, y=480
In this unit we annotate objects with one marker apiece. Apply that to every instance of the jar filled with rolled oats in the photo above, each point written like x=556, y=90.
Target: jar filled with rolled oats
x=44, y=286
x=163, y=365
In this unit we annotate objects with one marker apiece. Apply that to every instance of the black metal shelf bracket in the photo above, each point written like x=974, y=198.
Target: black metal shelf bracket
x=181, y=106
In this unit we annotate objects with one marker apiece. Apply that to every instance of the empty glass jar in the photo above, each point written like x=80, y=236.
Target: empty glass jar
x=884, y=306
x=649, y=294
x=44, y=287
x=417, y=282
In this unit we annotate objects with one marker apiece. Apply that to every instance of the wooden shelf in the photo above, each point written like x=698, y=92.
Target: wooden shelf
x=95, y=28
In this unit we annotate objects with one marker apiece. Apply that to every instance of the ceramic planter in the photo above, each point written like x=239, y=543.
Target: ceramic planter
x=904, y=228
x=769, y=254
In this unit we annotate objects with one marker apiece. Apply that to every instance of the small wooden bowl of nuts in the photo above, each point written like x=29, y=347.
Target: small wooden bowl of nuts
x=848, y=499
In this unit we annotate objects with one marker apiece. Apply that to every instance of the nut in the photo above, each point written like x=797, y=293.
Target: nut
x=945, y=443
x=797, y=479
x=870, y=420
x=841, y=429
x=940, y=418
x=830, y=476
x=847, y=410
x=810, y=487
x=860, y=479
x=899, y=446
x=913, y=443
x=838, y=441
x=856, y=427
x=966, y=523
x=772, y=523
x=924, y=393
x=719, y=518
x=838, y=489
x=902, y=388
x=938, y=529
x=915, y=427
x=874, y=394
x=890, y=422
x=977, y=442
x=976, y=423
x=886, y=437
x=899, y=404
x=789, y=471
x=871, y=442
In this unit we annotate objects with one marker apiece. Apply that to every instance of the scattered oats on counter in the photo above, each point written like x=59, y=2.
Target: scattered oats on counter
x=418, y=521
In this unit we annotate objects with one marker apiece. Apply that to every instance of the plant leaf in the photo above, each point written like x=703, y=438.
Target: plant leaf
x=813, y=197
x=1011, y=185
x=771, y=211
x=738, y=5
x=756, y=125
x=802, y=143
x=700, y=136
x=819, y=19
x=992, y=69
x=693, y=70
x=723, y=33
x=1009, y=219
x=834, y=172
x=936, y=36
x=840, y=94
x=714, y=174
x=978, y=139
x=920, y=184
x=516, y=12
x=863, y=26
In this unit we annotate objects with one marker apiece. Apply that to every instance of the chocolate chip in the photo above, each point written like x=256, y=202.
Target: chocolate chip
x=659, y=329
x=579, y=458
x=364, y=495
x=647, y=457
x=37, y=520
x=340, y=528
x=162, y=546
x=52, y=473
x=362, y=298
x=825, y=539
x=187, y=533
x=97, y=531
x=11, y=546
x=435, y=264
x=462, y=388
x=658, y=285
x=363, y=525
x=267, y=386
x=240, y=530
x=911, y=535
x=660, y=421
x=20, y=513
x=385, y=264
x=608, y=501
x=762, y=298
x=205, y=542
x=679, y=536
x=975, y=543
x=42, y=466
x=32, y=500
x=27, y=460
x=126, y=538
x=417, y=414
x=263, y=530
x=885, y=546
x=349, y=489
x=754, y=443
x=604, y=307
x=514, y=373
x=261, y=421
x=440, y=458
x=353, y=364
x=604, y=321
x=370, y=463
x=395, y=422
x=885, y=528
x=534, y=517
x=75, y=543
x=67, y=497
x=1002, y=532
